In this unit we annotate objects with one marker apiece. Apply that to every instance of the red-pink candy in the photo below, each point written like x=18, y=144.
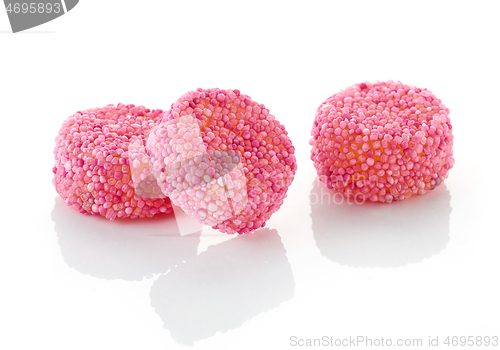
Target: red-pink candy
x=382, y=142
x=93, y=171
x=223, y=159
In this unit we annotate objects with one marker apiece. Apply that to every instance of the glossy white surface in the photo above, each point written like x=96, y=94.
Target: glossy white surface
x=427, y=266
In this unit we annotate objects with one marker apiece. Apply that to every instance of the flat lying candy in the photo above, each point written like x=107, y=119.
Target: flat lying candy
x=223, y=159
x=94, y=152
x=382, y=142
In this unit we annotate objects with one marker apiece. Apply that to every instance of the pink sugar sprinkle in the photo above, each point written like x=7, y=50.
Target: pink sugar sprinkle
x=234, y=167
x=91, y=171
x=400, y=141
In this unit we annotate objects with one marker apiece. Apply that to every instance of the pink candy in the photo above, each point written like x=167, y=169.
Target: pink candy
x=93, y=170
x=383, y=142
x=228, y=163
x=223, y=159
x=217, y=154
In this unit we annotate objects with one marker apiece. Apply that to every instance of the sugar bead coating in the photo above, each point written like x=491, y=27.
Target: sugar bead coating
x=382, y=142
x=102, y=167
x=223, y=158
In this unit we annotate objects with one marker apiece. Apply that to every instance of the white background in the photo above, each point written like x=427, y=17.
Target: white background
x=423, y=267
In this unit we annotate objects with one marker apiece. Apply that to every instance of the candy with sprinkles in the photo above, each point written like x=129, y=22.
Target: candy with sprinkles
x=223, y=158
x=382, y=142
x=101, y=165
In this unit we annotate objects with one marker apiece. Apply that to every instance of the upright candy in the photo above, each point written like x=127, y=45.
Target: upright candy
x=223, y=159
x=382, y=142
x=101, y=165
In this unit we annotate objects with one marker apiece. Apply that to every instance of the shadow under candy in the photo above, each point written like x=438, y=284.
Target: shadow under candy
x=224, y=286
x=380, y=234
x=128, y=249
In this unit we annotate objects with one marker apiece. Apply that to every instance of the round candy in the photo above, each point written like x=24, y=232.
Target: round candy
x=223, y=159
x=382, y=142
x=94, y=151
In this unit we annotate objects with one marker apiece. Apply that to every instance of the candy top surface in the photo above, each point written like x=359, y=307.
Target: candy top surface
x=385, y=108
